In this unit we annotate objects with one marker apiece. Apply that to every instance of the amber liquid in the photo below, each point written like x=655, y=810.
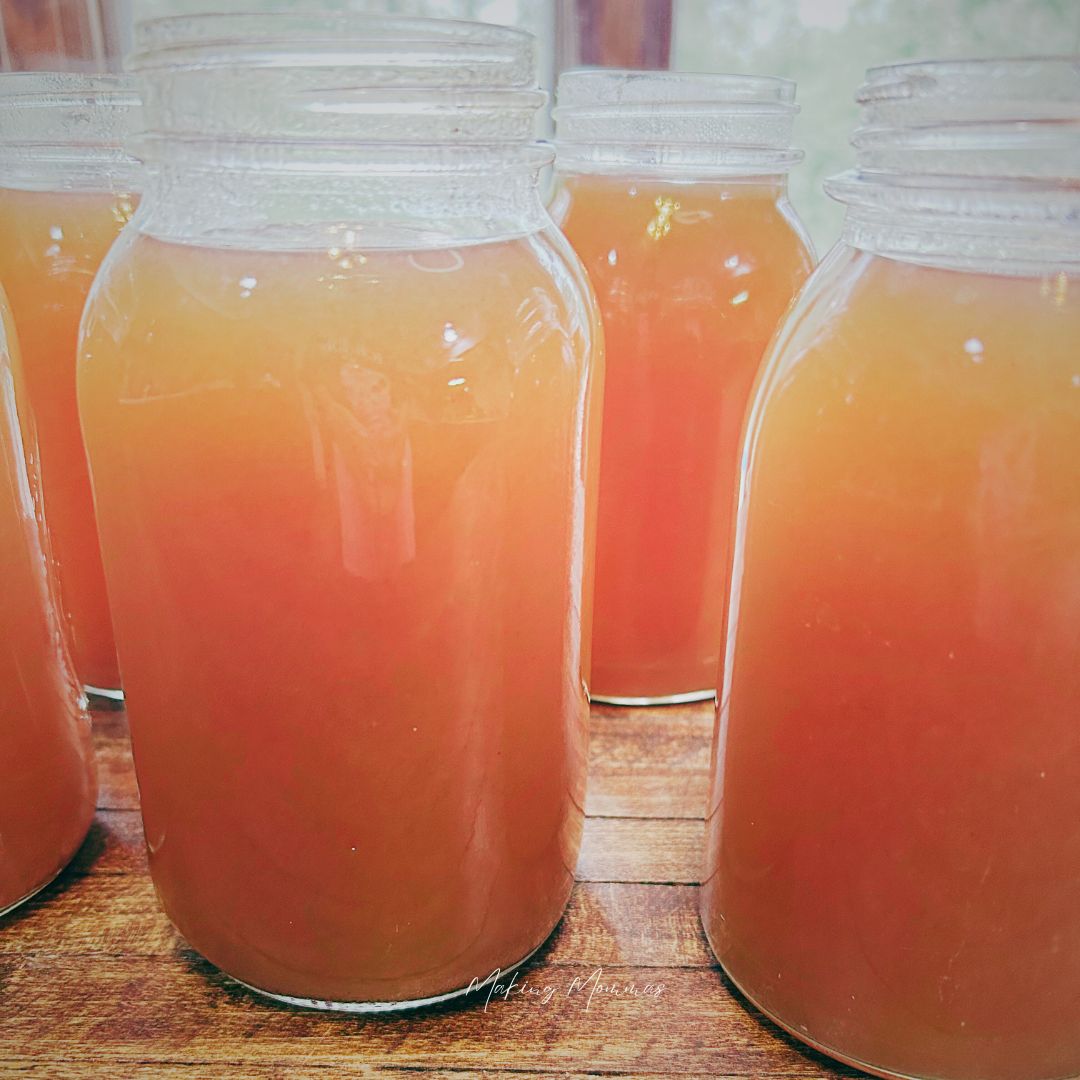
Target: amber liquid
x=894, y=839
x=52, y=245
x=344, y=509
x=47, y=779
x=691, y=279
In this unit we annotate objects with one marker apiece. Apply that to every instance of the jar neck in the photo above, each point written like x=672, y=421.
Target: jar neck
x=411, y=198
x=313, y=79
x=724, y=183
x=672, y=123
x=1004, y=227
x=972, y=164
x=675, y=162
x=320, y=129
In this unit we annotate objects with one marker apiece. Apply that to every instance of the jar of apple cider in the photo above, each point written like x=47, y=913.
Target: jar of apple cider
x=66, y=190
x=47, y=777
x=672, y=189
x=337, y=385
x=894, y=833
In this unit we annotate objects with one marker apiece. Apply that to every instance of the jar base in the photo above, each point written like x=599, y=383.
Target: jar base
x=34, y=891
x=665, y=699
x=111, y=697
x=363, y=1007
x=813, y=1044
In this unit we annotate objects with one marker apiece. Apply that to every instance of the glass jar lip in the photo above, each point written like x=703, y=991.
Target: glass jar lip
x=625, y=89
x=995, y=76
x=1013, y=118
x=418, y=51
x=685, y=123
x=976, y=161
x=315, y=78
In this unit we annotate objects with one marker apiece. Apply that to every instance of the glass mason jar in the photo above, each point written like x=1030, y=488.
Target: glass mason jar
x=672, y=189
x=47, y=776
x=336, y=381
x=894, y=827
x=66, y=190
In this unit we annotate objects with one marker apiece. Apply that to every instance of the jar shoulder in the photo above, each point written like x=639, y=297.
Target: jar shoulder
x=865, y=313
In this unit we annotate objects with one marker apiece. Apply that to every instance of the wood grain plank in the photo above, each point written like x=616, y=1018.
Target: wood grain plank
x=129, y=1008
x=631, y=925
x=642, y=850
x=615, y=925
x=242, y=1070
x=114, y=846
x=649, y=762
x=117, y=789
x=86, y=916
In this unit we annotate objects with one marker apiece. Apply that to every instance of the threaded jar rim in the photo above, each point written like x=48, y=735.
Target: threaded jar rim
x=675, y=121
x=252, y=88
x=977, y=158
x=59, y=108
x=68, y=131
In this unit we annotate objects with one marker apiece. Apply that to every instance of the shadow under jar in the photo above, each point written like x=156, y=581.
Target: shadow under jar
x=673, y=191
x=48, y=780
x=894, y=828
x=67, y=188
x=337, y=386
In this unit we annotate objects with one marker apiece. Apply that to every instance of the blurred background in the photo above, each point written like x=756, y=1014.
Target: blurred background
x=825, y=45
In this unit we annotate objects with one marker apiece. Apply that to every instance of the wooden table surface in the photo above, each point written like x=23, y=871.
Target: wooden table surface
x=94, y=982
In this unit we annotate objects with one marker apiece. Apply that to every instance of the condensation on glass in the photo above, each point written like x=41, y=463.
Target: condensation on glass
x=66, y=189
x=337, y=385
x=673, y=190
x=893, y=864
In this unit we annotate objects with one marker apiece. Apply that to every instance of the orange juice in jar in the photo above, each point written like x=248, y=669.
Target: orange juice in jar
x=66, y=190
x=339, y=420
x=673, y=192
x=47, y=778
x=894, y=835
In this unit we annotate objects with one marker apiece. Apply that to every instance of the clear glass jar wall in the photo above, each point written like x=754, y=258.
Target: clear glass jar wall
x=47, y=776
x=337, y=384
x=673, y=190
x=66, y=190
x=894, y=834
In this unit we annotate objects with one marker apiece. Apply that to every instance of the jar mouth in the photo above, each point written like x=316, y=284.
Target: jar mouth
x=614, y=88
x=314, y=79
x=976, y=157
x=1033, y=82
x=675, y=121
x=256, y=106
x=1015, y=118
x=388, y=49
